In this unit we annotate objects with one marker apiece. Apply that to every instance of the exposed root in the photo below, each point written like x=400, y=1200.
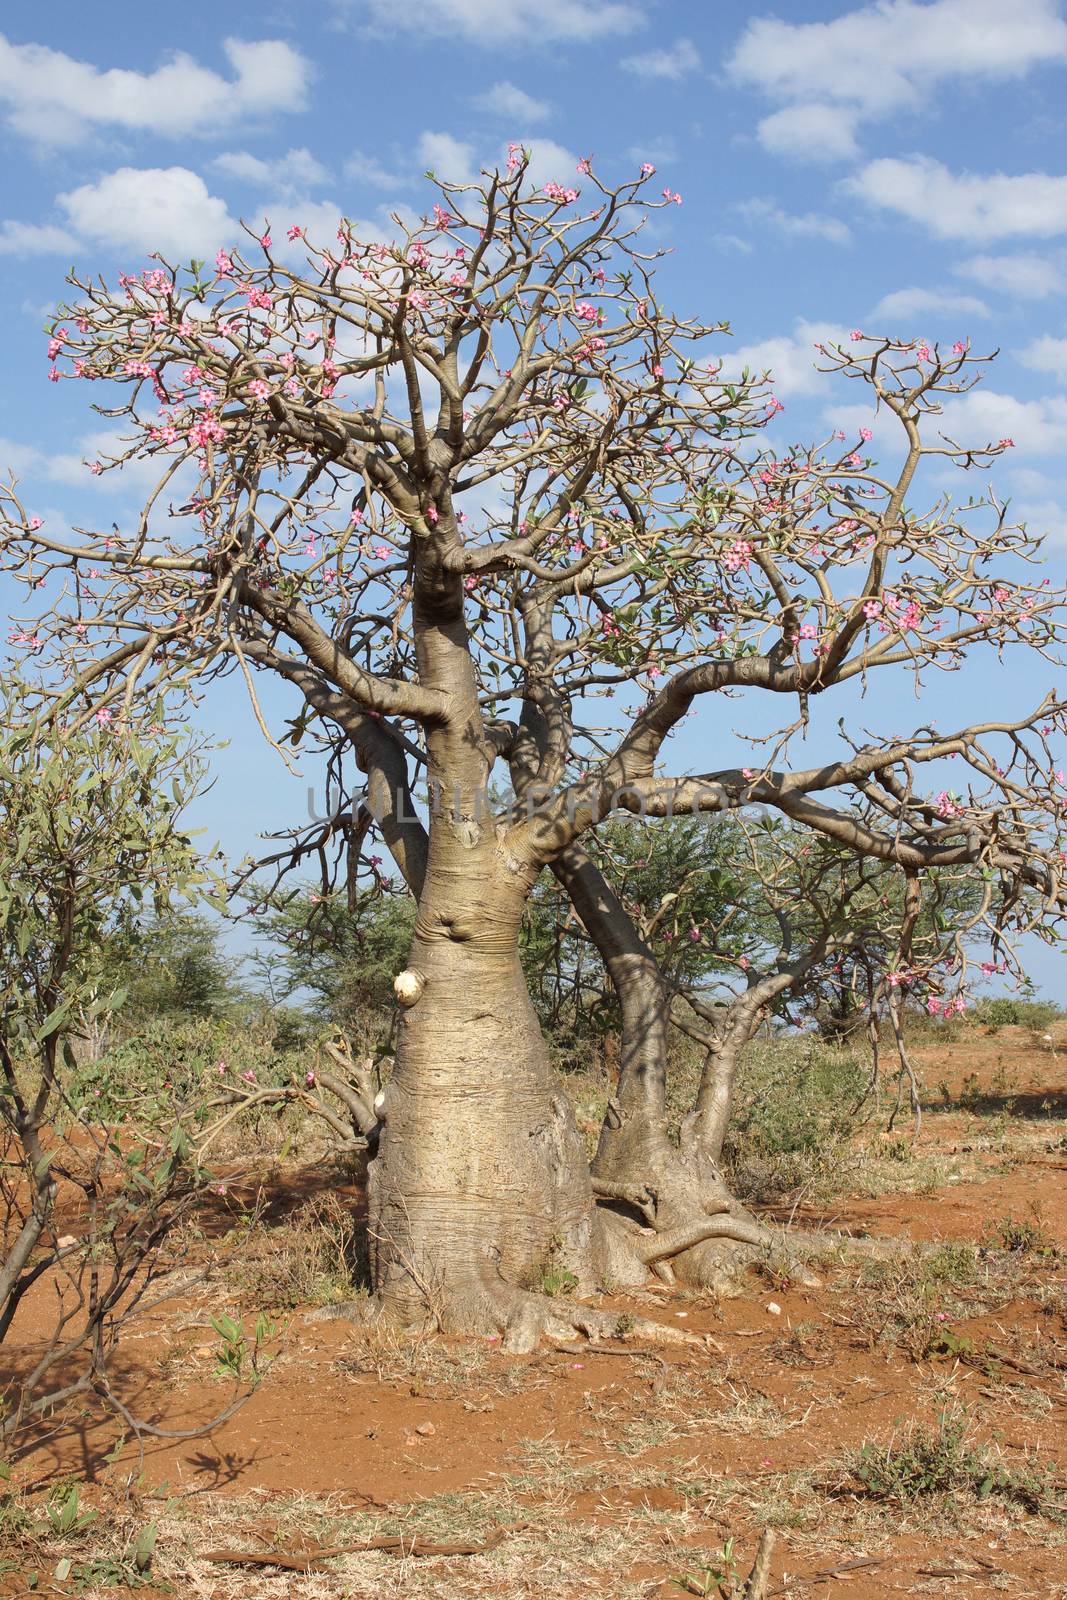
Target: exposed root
x=640, y=1198
x=521, y=1317
x=529, y=1318
x=725, y=1226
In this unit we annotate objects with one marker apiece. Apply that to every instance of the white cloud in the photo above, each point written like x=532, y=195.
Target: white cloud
x=1044, y=519
x=1030, y=481
x=908, y=303
x=1047, y=355
x=809, y=132
x=450, y=158
x=802, y=225
x=1038, y=427
x=364, y=168
x=494, y=22
x=733, y=241
x=883, y=57
x=790, y=358
x=658, y=151
x=1028, y=277
x=505, y=99
x=964, y=205
x=52, y=98
x=150, y=208
x=673, y=62
x=35, y=239
x=68, y=467
x=319, y=219
x=297, y=169
x=550, y=162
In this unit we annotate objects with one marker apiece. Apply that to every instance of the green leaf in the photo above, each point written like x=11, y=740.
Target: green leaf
x=54, y=1020
x=144, y=1549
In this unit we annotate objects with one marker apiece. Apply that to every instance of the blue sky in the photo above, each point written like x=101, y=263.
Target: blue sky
x=897, y=167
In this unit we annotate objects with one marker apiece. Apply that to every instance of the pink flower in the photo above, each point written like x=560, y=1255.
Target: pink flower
x=744, y=963
x=292, y=232
x=647, y=169
x=310, y=1079
x=672, y=197
x=432, y=514
x=583, y=166
x=1005, y=444
x=223, y=264
x=747, y=772
x=923, y=353
x=259, y=388
x=865, y=434
x=959, y=348
x=872, y=609
x=855, y=334
x=738, y=556
x=947, y=807
x=382, y=552
x=35, y=523
x=266, y=241
x=774, y=406
x=104, y=716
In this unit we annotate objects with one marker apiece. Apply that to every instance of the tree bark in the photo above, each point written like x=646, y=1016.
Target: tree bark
x=481, y=1180
x=638, y=1169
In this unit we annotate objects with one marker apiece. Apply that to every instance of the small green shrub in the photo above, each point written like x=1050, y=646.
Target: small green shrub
x=920, y=1462
x=1007, y=1011
x=1020, y=1235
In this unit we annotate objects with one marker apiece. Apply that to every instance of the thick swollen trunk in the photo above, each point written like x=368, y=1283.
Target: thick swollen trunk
x=481, y=1182
x=677, y=1189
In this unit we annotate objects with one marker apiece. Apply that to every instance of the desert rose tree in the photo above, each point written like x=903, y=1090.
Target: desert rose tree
x=482, y=500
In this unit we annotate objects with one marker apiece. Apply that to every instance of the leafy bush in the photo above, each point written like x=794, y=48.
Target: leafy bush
x=1006, y=1011
x=794, y=1110
x=167, y=1061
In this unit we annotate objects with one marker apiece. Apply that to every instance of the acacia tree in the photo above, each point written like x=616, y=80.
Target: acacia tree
x=479, y=497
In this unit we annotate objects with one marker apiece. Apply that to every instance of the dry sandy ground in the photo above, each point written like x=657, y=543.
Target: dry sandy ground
x=625, y=1472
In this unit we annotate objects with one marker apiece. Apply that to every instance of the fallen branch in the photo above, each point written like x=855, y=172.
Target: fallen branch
x=841, y=1570
x=395, y=1544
